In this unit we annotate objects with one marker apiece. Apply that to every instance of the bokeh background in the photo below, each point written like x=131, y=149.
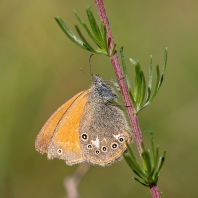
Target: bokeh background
x=40, y=70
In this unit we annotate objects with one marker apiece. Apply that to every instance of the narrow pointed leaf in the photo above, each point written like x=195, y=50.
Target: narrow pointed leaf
x=156, y=157
x=164, y=68
x=84, y=40
x=135, y=161
x=113, y=102
x=134, y=93
x=151, y=160
x=115, y=84
x=102, y=27
x=143, y=89
x=138, y=83
x=160, y=164
x=113, y=50
x=144, y=184
x=133, y=101
x=131, y=152
x=104, y=38
x=134, y=167
x=149, y=83
x=70, y=34
x=150, y=132
x=94, y=26
x=132, y=61
x=86, y=28
x=124, y=69
x=162, y=195
x=141, y=176
x=150, y=78
x=157, y=83
x=147, y=161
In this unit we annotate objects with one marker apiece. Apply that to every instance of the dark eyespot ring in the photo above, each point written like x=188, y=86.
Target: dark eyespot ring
x=97, y=152
x=84, y=137
x=114, y=145
x=89, y=146
x=121, y=139
x=104, y=149
x=59, y=151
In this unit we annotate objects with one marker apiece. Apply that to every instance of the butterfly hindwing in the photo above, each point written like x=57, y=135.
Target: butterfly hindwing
x=103, y=132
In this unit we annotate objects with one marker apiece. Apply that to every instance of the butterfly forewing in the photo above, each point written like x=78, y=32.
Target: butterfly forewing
x=59, y=137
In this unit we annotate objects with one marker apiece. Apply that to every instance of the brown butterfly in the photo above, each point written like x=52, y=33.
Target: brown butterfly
x=86, y=128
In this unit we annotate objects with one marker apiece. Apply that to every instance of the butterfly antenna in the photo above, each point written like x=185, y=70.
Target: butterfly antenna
x=81, y=69
x=90, y=65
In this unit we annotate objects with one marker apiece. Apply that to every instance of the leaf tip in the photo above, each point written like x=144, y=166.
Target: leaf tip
x=132, y=61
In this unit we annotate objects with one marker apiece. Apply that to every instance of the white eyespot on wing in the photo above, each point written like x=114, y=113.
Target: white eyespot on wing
x=96, y=142
x=116, y=136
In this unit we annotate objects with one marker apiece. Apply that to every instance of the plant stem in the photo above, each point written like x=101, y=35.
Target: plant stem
x=155, y=192
x=123, y=88
x=71, y=183
x=119, y=75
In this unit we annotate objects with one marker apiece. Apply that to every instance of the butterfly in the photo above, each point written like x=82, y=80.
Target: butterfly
x=88, y=127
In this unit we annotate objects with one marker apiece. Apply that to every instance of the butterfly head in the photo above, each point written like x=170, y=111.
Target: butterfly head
x=104, y=90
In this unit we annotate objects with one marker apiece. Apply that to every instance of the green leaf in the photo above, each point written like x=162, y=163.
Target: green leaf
x=144, y=184
x=134, y=167
x=132, y=98
x=115, y=84
x=138, y=168
x=136, y=95
x=156, y=156
x=113, y=102
x=164, y=68
x=85, y=27
x=160, y=164
x=151, y=160
x=124, y=69
x=138, y=83
x=104, y=37
x=131, y=152
x=70, y=34
x=162, y=195
x=94, y=27
x=143, y=89
x=84, y=40
x=113, y=50
x=150, y=132
x=157, y=83
x=147, y=162
x=150, y=79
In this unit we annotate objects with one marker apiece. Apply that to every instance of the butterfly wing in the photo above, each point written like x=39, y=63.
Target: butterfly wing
x=59, y=137
x=103, y=133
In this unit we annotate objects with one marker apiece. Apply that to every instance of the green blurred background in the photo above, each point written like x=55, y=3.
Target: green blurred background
x=39, y=71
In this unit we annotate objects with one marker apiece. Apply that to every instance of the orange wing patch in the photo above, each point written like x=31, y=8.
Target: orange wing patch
x=65, y=143
x=44, y=136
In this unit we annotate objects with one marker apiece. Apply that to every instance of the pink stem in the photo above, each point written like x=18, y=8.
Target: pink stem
x=155, y=192
x=119, y=75
x=123, y=88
